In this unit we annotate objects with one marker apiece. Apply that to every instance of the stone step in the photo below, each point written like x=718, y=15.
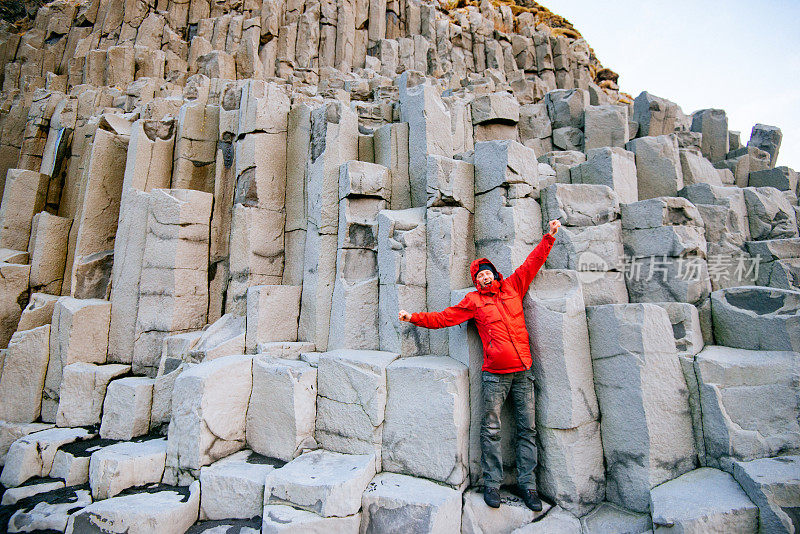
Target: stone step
x=125, y=465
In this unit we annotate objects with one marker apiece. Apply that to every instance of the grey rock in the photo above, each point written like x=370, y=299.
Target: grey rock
x=773, y=484
x=655, y=115
x=713, y=124
x=766, y=138
x=769, y=213
x=606, y=126
x=614, y=167
x=658, y=166
x=580, y=204
x=608, y=517
x=756, y=318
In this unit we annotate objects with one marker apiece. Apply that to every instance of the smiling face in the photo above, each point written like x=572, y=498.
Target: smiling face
x=485, y=277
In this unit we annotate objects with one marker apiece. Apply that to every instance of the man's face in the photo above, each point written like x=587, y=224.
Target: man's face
x=485, y=277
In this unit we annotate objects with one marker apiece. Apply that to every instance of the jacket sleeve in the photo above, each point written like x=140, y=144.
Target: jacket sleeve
x=451, y=316
x=521, y=278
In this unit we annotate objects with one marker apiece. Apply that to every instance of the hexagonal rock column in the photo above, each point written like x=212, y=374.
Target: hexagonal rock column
x=272, y=314
x=351, y=401
x=233, y=487
x=766, y=138
x=773, y=485
x=778, y=261
x=607, y=517
x=125, y=465
x=167, y=509
x=23, y=375
x=658, y=166
x=590, y=240
x=410, y=504
x=334, y=140
x=23, y=197
x=364, y=189
x=14, y=280
x=173, y=292
x=571, y=457
x=713, y=124
x=83, y=390
x=32, y=455
x=611, y=166
x=507, y=216
x=704, y=498
x=769, y=213
x=605, y=126
x=126, y=408
x=655, y=115
x=48, y=249
x=282, y=409
x=756, y=318
x=665, y=245
x=451, y=249
x=402, y=257
x=209, y=405
x=278, y=518
x=748, y=402
x=426, y=431
x=645, y=420
x=329, y=484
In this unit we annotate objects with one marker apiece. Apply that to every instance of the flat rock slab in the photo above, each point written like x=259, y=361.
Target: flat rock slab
x=705, y=500
x=227, y=526
x=125, y=465
x=32, y=455
x=327, y=483
x=282, y=519
x=402, y=503
x=773, y=484
x=556, y=520
x=478, y=518
x=233, y=488
x=607, y=517
x=49, y=511
x=14, y=495
x=157, y=508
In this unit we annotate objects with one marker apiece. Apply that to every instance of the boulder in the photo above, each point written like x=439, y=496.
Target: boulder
x=705, y=499
x=327, y=483
x=233, y=487
x=756, y=318
x=23, y=375
x=159, y=509
x=645, y=419
x=83, y=390
x=409, y=504
x=773, y=485
x=32, y=455
x=279, y=518
x=209, y=405
x=126, y=408
x=282, y=410
x=748, y=402
x=426, y=430
x=125, y=465
x=351, y=401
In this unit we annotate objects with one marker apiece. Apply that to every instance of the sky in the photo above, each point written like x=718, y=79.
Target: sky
x=740, y=56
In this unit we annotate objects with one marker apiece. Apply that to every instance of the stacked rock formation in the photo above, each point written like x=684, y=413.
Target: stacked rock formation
x=212, y=212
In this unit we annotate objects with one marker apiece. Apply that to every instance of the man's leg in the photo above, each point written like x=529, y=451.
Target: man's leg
x=495, y=390
x=522, y=396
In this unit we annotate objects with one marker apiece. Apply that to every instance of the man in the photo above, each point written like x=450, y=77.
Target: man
x=496, y=307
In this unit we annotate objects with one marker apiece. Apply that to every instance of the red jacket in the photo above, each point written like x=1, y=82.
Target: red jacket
x=497, y=311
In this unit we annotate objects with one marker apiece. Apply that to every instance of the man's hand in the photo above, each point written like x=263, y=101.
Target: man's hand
x=404, y=316
x=554, y=226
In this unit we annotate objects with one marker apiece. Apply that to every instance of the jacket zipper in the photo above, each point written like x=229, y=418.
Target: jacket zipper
x=502, y=308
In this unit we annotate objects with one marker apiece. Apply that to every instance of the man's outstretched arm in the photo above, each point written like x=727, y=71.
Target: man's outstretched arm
x=521, y=278
x=451, y=316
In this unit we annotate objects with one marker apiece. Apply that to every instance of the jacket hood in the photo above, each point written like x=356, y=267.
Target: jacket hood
x=473, y=270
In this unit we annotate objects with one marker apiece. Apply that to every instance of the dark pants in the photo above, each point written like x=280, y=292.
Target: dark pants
x=496, y=387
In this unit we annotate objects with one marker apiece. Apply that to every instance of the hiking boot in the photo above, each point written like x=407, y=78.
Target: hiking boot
x=492, y=497
x=532, y=500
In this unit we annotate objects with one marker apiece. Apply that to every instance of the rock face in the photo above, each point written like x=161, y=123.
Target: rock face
x=211, y=214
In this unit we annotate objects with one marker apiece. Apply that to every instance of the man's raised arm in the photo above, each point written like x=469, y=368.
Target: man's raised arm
x=522, y=277
x=451, y=316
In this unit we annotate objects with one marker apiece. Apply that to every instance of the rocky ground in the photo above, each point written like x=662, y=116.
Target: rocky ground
x=212, y=212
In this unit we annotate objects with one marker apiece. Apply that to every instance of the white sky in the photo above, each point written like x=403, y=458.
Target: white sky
x=743, y=57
